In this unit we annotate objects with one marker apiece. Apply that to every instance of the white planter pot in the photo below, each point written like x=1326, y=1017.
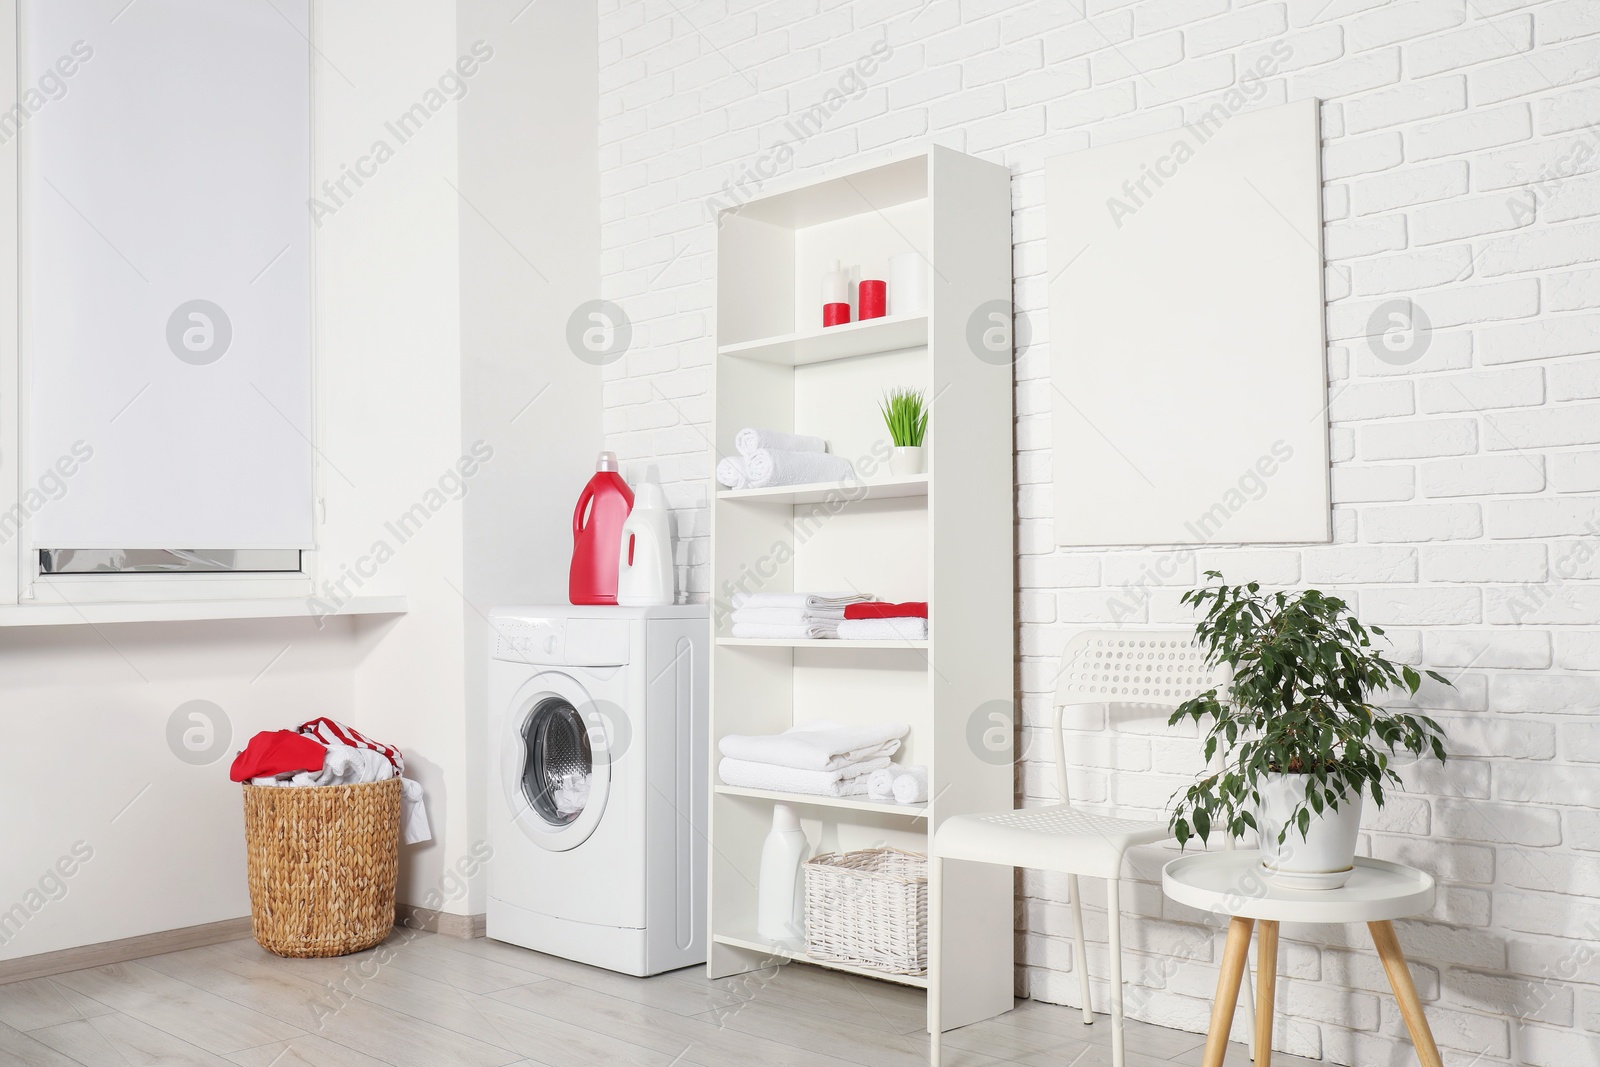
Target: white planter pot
x=906, y=460
x=1325, y=857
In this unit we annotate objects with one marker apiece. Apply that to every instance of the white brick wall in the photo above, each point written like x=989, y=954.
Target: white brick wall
x=1462, y=137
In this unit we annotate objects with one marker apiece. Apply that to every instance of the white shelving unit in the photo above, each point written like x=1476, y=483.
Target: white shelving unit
x=945, y=537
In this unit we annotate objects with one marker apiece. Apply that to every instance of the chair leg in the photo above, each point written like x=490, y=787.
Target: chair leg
x=1081, y=959
x=935, y=954
x=1114, y=930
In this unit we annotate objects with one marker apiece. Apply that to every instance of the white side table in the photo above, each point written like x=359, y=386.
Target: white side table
x=1233, y=884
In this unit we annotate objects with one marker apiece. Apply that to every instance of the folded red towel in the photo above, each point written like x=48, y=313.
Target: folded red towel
x=916, y=609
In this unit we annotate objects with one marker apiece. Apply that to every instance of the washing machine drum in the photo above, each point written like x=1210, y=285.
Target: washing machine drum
x=556, y=767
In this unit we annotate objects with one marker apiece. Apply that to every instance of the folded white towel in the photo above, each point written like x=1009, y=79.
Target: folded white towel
x=789, y=616
x=808, y=601
x=911, y=785
x=880, y=785
x=778, y=631
x=846, y=782
x=817, y=746
x=774, y=466
x=751, y=440
x=731, y=472
x=901, y=629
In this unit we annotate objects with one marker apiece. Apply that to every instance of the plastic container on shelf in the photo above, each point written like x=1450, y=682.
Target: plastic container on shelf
x=780, y=894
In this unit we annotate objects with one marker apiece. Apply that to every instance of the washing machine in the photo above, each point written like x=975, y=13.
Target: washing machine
x=598, y=745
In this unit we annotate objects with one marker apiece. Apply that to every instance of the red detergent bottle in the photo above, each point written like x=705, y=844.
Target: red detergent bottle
x=597, y=534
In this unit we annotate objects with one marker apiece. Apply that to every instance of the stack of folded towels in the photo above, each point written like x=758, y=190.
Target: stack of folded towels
x=819, y=758
x=792, y=616
x=772, y=457
x=875, y=621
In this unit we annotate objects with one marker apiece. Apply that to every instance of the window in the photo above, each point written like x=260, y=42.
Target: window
x=166, y=173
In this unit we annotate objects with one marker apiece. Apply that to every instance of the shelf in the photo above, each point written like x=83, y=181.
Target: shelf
x=793, y=951
x=815, y=642
x=911, y=811
x=290, y=607
x=815, y=492
x=836, y=342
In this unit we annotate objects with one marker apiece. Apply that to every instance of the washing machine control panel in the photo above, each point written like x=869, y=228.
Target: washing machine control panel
x=524, y=640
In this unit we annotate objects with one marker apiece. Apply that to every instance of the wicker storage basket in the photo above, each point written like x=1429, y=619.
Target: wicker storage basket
x=322, y=862
x=869, y=909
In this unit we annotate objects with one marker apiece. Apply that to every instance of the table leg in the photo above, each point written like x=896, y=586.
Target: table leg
x=1394, y=964
x=1235, y=954
x=1266, y=987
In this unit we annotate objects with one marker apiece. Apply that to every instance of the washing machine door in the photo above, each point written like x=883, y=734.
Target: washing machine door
x=556, y=762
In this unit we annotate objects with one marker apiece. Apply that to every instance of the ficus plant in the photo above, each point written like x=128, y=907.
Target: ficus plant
x=1306, y=678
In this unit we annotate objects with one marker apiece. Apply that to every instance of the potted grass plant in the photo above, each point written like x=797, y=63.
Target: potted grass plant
x=905, y=412
x=1302, y=738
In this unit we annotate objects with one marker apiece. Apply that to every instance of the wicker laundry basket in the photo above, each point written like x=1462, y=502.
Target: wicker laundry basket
x=322, y=864
x=869, y=909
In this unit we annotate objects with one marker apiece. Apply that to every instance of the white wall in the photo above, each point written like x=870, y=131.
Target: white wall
x=530, y=254
x=87, y=708
x=389, y=335
x=1464, y=482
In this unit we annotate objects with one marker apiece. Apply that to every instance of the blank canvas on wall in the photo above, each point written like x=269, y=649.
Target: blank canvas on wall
x=1188, y=355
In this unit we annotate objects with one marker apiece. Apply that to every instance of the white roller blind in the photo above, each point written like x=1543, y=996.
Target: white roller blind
x=167, y=273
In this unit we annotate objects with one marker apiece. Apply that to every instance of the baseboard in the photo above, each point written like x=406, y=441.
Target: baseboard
x=462, y=927
x=121, y=951
x=44, y=964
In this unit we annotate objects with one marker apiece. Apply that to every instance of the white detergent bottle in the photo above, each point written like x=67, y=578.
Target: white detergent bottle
x=780, y=895
x=645, y=575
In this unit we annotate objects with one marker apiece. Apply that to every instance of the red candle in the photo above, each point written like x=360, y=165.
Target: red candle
x=837, y=314
x=871, y=299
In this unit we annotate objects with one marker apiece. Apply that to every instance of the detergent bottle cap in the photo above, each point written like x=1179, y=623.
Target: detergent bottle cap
x=607, y=462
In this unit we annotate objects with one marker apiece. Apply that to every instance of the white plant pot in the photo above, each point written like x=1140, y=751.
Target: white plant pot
x=907, y=460
x=1325, y=857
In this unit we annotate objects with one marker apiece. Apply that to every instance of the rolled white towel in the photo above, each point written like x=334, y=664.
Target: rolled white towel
x=752, y=439
x=911, y=785
x=898, y=629
x=731, y=472
x=774, y=466
x=880, y=785
x=808, y=601
x=777, y=631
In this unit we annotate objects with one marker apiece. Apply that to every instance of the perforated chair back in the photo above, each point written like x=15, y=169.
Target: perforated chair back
x=1150, y=667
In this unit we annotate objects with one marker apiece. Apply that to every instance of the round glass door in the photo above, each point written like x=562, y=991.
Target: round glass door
x=558, y=764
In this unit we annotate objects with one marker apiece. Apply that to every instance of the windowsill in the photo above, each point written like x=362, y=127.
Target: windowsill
x=189, y=611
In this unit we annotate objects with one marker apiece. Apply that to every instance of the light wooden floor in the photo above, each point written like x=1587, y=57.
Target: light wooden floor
x=421, y=1000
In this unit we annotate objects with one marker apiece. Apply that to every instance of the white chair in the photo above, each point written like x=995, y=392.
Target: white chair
x=1148, y=668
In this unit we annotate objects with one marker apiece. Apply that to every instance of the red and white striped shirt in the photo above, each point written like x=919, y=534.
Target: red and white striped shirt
x=330, y=732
